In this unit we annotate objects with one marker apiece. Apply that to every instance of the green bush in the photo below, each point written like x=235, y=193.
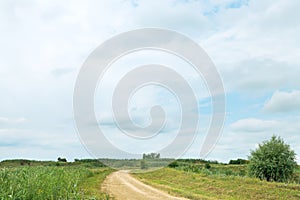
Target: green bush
x=207, y=166
x=143, y=164
x=273, y=160
x=173, y=164
x=239, y=161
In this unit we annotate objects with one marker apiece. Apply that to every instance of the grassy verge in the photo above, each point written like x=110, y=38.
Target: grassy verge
x=92, y=185
x=44, y=182
x=203, y=186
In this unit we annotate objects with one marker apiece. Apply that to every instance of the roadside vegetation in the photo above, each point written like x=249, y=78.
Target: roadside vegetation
x=270, y=173
x=218, y=182
x=273, y=160
x=38, y=180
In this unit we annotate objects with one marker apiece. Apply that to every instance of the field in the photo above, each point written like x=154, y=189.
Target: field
x=192, y=179
x=217, y=182
x=38, y=182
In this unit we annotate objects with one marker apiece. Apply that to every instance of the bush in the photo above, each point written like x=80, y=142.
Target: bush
x=59, y=159
x=143, y=164
x=173, y=164
x=207, y=166
x=273, y=161
x=239, y=161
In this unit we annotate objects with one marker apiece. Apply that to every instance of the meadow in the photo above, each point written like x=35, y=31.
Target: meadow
x=39, y=181
x=200, y=180
x=190, y=178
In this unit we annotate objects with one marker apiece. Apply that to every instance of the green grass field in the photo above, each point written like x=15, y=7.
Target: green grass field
x=52, y=182
x=82, y=179
x=201, y=185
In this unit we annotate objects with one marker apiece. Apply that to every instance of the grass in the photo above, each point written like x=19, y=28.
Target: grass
x=52, y=182
x=217, y=186
x=91, y=186
x=82, y=179
x=215, y=169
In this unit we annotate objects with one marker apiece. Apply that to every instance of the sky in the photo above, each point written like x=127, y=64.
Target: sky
x=255, y=46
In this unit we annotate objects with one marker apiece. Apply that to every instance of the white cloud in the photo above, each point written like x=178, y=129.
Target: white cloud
x=260, y=75
x=254, y=125
x=257, y=47
x=5, y=120
x=282, y=102
x=43, y=44
x=245, y=134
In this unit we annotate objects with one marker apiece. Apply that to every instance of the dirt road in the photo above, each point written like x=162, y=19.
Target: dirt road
x=121, y=185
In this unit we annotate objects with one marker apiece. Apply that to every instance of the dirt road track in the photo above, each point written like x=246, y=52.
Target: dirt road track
x=121, y=185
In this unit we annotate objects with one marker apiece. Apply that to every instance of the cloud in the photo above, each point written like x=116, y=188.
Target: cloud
x=254, y=49
x=4, y=120
x=254, y=125
x=255, y=45
x=39, y=144
x=283, y=102
x=58, y=72
x=260, y=75
x=245, y=134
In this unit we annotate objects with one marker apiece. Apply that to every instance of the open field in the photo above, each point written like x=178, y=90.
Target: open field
x=51, y=182
x=187, y=178
x=200, y=185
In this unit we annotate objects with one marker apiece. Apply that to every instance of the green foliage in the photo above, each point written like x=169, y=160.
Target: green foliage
x=239, y=161
x=42, y=182
x=151, y=156
x=143, y=164
x=24, y=162
x=91, y=185
x=173, y=164
x=59, y=159
x=273, y=161
x=92, y=163
x=136, y=163
x=207, y=186
x=195, y=161
x=207, y=166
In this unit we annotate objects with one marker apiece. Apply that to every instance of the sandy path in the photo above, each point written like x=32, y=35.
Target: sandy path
x=122, y=186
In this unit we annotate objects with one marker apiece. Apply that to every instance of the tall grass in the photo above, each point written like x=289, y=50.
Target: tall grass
x=40, y=183
x=212, y=186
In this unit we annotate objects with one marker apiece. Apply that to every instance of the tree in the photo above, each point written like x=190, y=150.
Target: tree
x=59, y=159
x=239, y=161
x=173, y=164
x=273, y=160
x=151, y=156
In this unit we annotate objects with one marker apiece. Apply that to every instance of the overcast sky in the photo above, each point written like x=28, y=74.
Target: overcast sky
x=255, y=46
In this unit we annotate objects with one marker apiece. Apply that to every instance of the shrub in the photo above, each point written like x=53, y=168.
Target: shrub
x=207, y=166
x=59, y=159
x=273, y=160
x=239, y=161
x=173, y=164
x=143, y=164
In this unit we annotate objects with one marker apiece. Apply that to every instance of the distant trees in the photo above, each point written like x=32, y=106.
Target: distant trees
x=273, y=160
x=144, y=164
x=59, y=159
x=151, y=156
x=173, y=164
x=238, y=161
